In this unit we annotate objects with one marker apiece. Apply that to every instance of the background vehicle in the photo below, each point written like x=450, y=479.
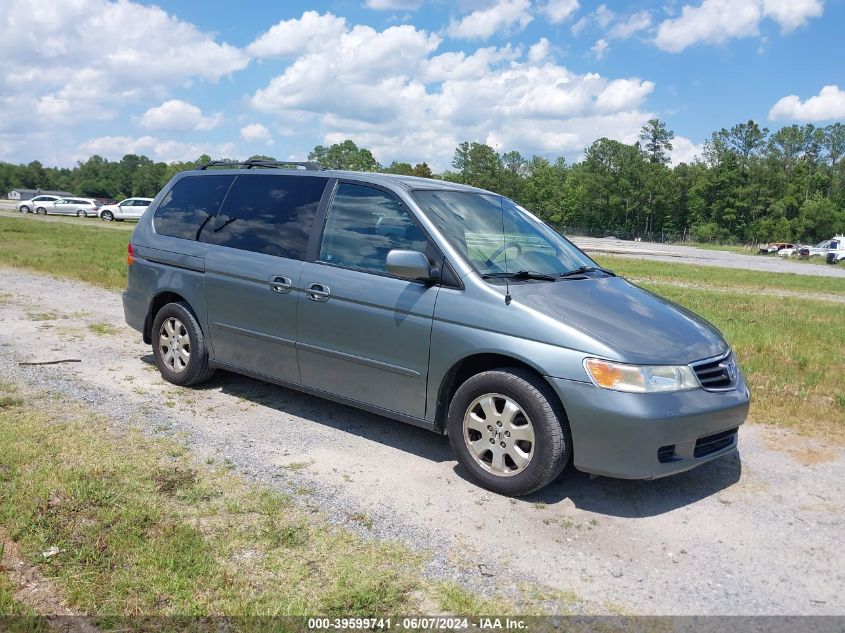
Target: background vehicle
x=836, y=250
x=28, y=206
x=129, y=209
x=82, y=207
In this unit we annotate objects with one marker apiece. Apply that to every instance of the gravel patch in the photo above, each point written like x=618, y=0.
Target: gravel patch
x=752, y=534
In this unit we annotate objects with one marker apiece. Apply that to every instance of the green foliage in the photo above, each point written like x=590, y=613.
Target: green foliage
x=751, y=185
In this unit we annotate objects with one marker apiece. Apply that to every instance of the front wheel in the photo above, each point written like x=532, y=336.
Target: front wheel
x=24, y=209
x=179, y=346
x=107, y=216
x=41, y=210
x=508, y=431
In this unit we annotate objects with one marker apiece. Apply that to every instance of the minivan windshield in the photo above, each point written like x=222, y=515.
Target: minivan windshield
x=500, y=238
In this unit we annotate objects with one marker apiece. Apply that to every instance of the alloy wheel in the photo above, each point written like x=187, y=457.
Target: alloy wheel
x=499, y=434
x=174, y=345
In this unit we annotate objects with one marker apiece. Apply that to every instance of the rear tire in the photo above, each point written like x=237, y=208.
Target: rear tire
x=81, y=214
x=516, y=411
x=41, y=210
x=179, y=347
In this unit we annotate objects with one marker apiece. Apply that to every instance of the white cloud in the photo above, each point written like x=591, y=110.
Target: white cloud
x=159, y=149
x=635, y=23
x=557, y=11
x=289, y=37
x=393, y=5
x=539, y=51
x=790, y=14
x=717, y=21
x=180, y=115
x=80, y=60
x=256, y=132
x=599, y=49
x=391, y=91
x=501, y=15
x=684, y=150
x=828, y=104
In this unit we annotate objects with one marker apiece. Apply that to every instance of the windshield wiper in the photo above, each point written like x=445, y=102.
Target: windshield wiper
x=581, y=270
x=520, y=274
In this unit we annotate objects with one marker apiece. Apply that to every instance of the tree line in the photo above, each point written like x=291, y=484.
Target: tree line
x=749, y=185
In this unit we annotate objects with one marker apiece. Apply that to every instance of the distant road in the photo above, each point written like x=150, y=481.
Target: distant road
x=703, y=257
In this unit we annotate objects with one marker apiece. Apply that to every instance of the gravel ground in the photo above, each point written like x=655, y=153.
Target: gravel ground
x=703, y=257
x=760, y=534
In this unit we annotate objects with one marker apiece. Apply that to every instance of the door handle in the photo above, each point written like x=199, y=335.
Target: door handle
x=282, y=285
x=318, y=292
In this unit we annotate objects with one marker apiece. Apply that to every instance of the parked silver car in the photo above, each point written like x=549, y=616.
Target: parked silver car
x=81, y=207
x=28, y=206
x=436, y=304
x=129, y=209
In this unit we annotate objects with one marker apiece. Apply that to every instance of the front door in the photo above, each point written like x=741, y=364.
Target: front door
x=364, y=334
x=253, y=267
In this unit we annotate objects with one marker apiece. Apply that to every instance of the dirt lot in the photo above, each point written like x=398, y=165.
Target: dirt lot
x=755, y=534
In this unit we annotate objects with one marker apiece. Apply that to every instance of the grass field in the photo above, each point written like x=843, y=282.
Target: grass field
x=139, y=528
x=791, y=348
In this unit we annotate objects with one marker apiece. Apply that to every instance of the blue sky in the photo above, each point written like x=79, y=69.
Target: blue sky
x=407, y=78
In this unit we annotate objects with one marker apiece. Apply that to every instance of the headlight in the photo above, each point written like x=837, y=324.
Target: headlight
x=640, y=378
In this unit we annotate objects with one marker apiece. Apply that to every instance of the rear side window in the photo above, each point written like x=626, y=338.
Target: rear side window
x=364, y=224
x=190, y=205
x=270, y=214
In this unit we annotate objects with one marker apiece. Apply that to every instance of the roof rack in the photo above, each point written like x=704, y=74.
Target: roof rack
x=276, y=164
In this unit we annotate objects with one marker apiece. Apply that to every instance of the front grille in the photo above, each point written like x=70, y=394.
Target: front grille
x=713, y=443
x=717, y=374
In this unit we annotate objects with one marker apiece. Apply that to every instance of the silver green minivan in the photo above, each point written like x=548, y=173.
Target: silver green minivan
x=436, y=304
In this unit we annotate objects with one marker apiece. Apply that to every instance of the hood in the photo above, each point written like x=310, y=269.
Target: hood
x=643, y=327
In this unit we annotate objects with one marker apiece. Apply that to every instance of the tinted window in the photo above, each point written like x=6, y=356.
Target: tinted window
x=270, y=214
x=365, y=223
x=190, y=205
x=142, y=203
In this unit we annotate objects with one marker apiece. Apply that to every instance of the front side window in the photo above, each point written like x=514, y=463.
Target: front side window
x=270, y=214
x=497, y=236
x=364, y=224
x=190, y=205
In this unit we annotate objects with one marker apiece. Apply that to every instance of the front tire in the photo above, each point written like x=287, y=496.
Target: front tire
x=179, y=347
x=25, y=209
x=107, y=216
x=41, y=210
x=509, y=431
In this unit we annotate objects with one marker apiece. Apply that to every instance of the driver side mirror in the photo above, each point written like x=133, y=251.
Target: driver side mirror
x=411, y=265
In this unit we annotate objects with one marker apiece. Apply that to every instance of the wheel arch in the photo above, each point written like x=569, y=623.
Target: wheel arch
x=471, y=365
x=159, y=301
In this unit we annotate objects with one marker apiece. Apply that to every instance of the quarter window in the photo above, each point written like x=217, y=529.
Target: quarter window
x=364, y=224
x=190, y=205
x=268, y=214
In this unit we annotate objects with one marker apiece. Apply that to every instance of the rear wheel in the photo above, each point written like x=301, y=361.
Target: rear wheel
x=509, y=431
x=108, y=216
x=81, y=214
x=179, y=346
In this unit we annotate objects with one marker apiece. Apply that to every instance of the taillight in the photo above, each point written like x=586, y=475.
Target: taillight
x=130, y=255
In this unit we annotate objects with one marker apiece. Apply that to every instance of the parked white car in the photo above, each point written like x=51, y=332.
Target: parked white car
x=821, y=248
x=129, y=209
x=28, y=206
x=81, y=207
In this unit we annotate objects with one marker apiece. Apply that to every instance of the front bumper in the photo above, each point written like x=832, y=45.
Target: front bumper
x=645, y=436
